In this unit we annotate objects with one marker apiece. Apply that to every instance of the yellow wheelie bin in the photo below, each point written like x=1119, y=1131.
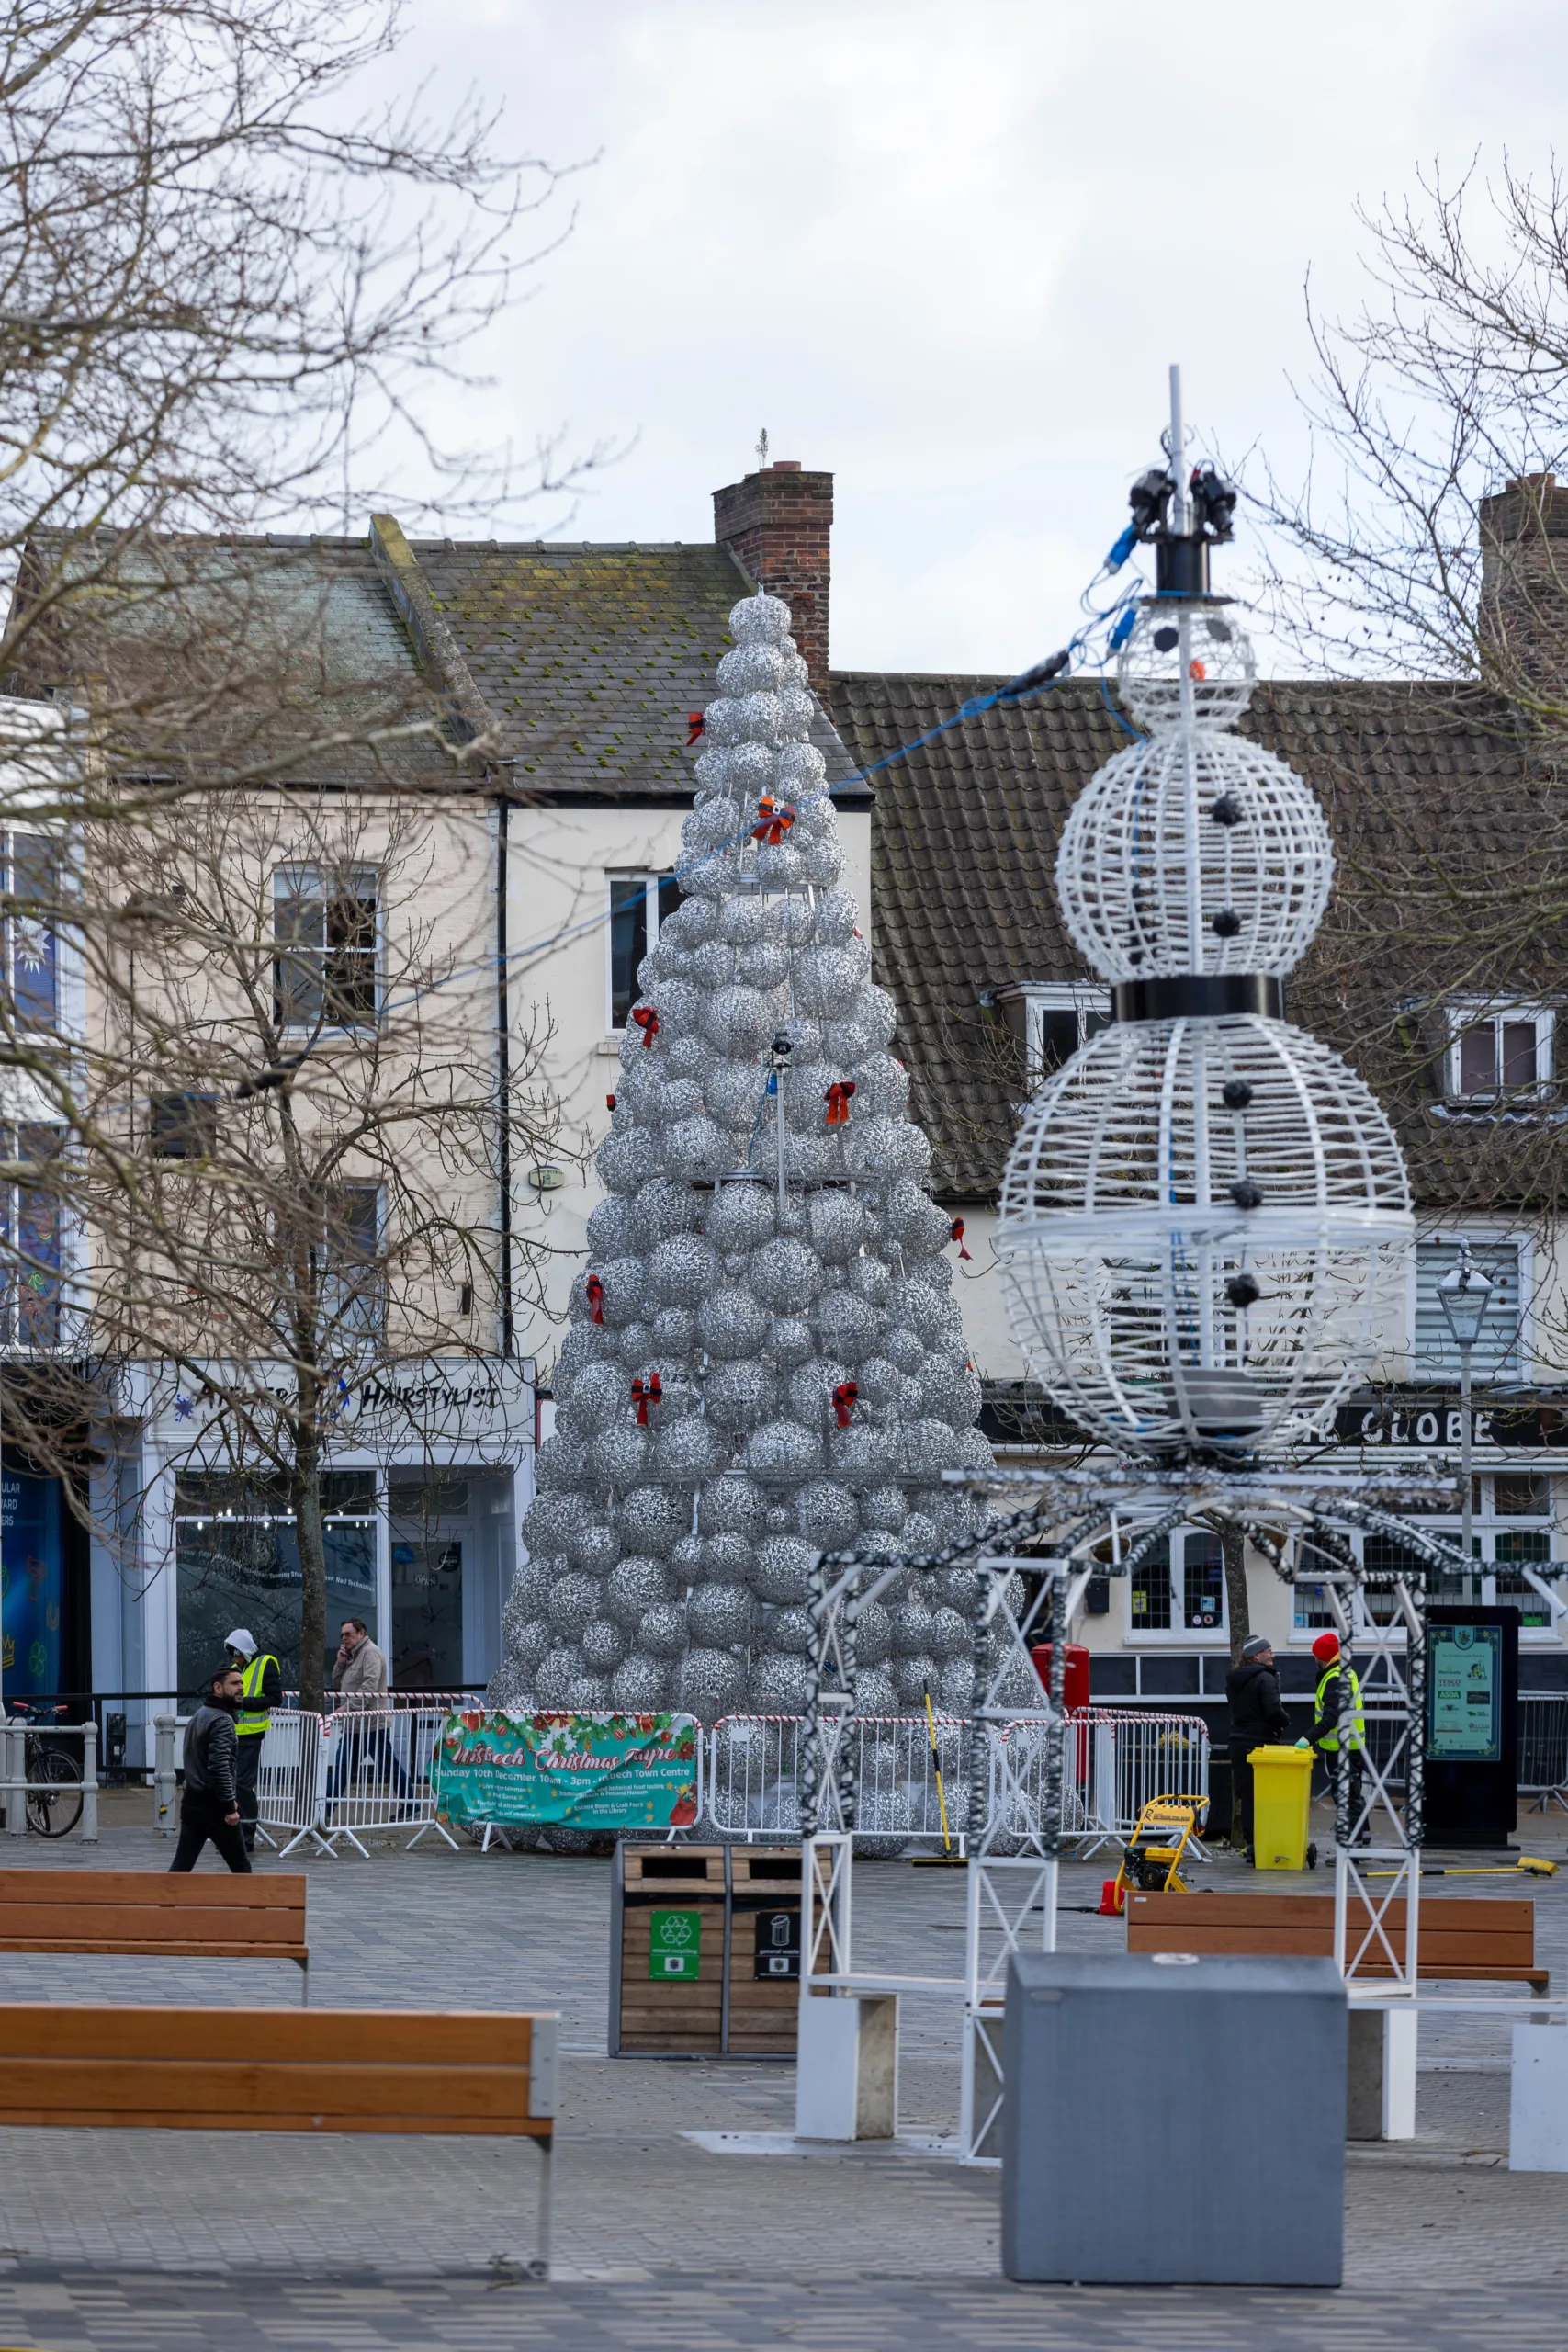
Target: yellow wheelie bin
x=1281, y=1788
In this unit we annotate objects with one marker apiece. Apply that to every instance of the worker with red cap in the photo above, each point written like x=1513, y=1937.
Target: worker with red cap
x=1327, y=1726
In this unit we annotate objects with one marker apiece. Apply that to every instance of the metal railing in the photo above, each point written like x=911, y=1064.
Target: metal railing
x=323, y=1779
x=17, y=1784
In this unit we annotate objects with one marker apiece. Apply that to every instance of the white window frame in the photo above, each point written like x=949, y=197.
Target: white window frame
x=1040, y=996
x=1179, y=1637
x=1424, y=1369
x=650, y=877
x=1486, y=1524
x=314, y=879
x=1465, y=1014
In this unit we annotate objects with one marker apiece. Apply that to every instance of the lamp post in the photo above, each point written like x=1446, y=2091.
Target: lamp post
x=1464, y=1295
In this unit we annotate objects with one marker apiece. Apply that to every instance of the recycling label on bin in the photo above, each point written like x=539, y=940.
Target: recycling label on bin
x=675, y=1943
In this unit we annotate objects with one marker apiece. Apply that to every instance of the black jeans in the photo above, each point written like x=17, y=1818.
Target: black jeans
x=202, y=1818
x=246, y=1778
x=1240, y=1791
x=1358, y=1772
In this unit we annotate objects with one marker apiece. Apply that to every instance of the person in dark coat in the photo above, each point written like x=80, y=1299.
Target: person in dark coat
x=1257, y=1720
x=211, y=1805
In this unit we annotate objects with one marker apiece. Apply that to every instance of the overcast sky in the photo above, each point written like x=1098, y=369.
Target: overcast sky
x=948, y=251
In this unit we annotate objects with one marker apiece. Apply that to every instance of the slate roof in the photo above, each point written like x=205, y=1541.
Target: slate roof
x=591, y=657
x=278, y=652
x=1421, y=784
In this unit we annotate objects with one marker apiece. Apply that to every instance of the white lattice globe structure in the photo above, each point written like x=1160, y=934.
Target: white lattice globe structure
x=1151, y=882
x=1203, y=643
x=1125, y=1248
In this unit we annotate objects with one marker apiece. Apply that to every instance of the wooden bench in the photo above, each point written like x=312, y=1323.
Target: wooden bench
x=470, y=2073
x=1483, y=1939
x=157, y=1914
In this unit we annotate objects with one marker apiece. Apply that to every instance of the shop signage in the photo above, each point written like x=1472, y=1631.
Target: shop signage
x=429, y=1404
x=591, y=1772
x=1422, y=1421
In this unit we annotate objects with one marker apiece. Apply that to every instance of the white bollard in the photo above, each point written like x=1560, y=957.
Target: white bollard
x=164, y=1727
x=16, y=1755
x=1538, y=2099
x=89, y=1826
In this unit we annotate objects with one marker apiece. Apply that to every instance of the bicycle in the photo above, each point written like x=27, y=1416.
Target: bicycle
x=52, y=1774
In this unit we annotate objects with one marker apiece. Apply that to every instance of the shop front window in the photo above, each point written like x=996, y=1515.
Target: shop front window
x=1182, y=1588
x=32, y=1582
x=430, y=1533
x=237, y=1563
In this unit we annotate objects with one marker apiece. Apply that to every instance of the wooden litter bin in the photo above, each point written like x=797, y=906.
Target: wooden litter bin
x=705, y=1951
x=762, y=1985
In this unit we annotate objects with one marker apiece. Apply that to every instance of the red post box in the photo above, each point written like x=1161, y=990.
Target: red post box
x=1074, y=1672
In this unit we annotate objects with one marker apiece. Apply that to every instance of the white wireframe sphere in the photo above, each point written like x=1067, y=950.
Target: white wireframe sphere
x=1200, y=641
x=1139, y=1212
x=1152, y=882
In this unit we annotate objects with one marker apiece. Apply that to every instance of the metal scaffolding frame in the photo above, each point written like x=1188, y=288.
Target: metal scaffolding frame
x=1014, y=1849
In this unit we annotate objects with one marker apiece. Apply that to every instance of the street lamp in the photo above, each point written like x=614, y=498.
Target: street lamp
x=1464, y=1295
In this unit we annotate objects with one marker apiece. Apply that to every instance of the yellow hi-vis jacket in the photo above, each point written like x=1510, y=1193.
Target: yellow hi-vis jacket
x=252, y=1720
x=1325, y=1702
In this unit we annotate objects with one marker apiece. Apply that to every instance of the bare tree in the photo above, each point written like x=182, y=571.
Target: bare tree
x=284, y=1137
x=1424, y=565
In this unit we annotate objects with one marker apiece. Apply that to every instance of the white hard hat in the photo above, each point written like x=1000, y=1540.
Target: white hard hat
x=241, y=1641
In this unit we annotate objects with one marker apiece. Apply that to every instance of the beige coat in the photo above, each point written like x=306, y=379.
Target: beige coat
x=360, y=1680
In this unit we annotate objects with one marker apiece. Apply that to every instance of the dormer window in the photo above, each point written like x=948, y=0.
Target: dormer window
x=1049, y=1020
x=1500, y=1051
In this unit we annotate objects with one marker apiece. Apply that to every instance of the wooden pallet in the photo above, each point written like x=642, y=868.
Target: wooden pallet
x=1485, y=1939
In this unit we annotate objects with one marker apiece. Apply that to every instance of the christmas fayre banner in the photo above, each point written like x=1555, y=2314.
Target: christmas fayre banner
x=603, y=1771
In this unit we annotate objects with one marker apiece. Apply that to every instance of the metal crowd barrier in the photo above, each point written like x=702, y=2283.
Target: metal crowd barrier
x=1113, y=1763
x=325, y=1777
x=1543, y=1748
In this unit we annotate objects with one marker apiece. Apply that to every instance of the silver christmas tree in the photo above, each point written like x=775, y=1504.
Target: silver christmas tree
x=765, y=1358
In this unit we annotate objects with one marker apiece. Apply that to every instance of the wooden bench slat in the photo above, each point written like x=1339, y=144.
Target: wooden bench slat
x=1485, y=1938
x=168, y=2085
x=305, y=2036
x=121, y=1948
x=279, y=1891
x=90, y=2118
x=144, y=1925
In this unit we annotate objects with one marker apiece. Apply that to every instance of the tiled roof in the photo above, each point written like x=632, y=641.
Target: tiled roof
x=1421, y=784
x=591, y=657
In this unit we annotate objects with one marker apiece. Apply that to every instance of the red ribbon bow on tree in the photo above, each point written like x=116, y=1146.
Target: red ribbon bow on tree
x=838, y=1101
x=697, y=723
x=844, y=1398
x=609, y=1101
x=776, y=816
x=646, y=1020
x=646, y=1393
x=958, y=1234
x=593, y=1291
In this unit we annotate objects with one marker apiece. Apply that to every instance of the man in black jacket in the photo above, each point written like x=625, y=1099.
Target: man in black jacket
x=211, y=1806
x=1258, y=1719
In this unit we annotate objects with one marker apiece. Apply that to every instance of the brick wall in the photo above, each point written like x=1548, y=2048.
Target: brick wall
x=1524, y=597
x=776, y=524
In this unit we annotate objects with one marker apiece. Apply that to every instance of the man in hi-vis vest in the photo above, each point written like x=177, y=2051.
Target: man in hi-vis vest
x=261, y=1690
x=1325, y=1724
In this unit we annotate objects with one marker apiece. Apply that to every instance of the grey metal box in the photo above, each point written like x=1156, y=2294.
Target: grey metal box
x=1171, y=2120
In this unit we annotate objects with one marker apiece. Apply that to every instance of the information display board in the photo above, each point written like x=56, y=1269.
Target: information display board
x=1472, y=1697
x=1464, y=1668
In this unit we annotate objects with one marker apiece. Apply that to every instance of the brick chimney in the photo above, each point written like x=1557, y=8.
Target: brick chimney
x=775, y=524
x=1524, y=595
